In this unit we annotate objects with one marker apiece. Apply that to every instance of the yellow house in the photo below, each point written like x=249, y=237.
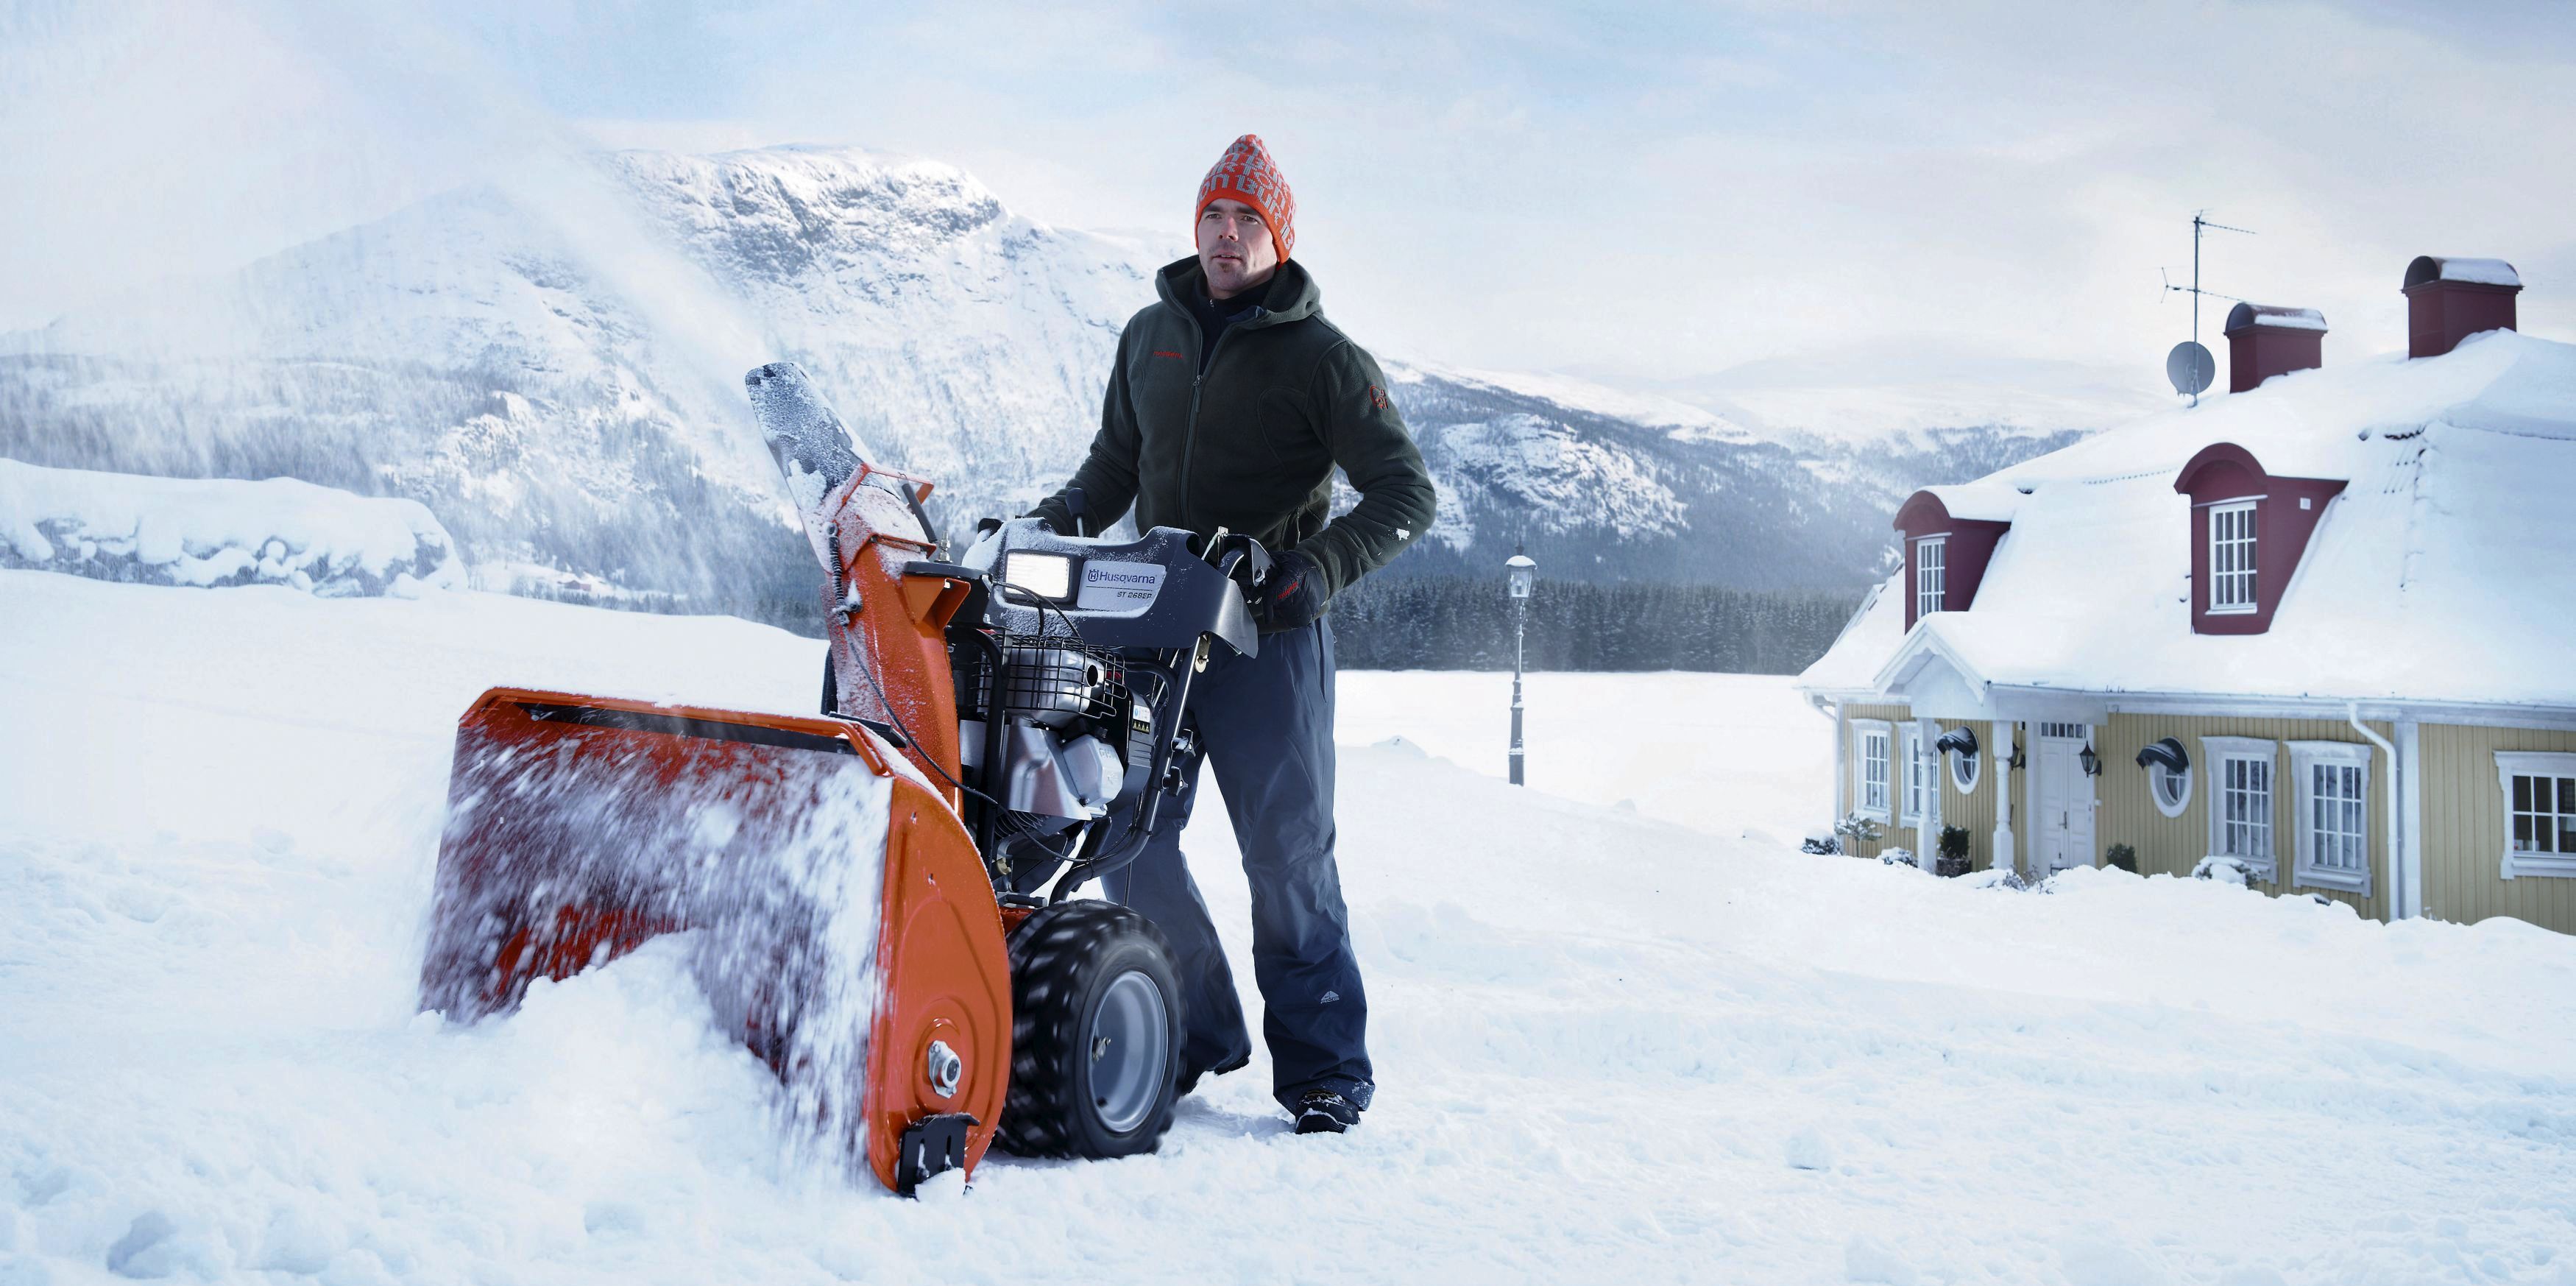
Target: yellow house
x=2320, y=635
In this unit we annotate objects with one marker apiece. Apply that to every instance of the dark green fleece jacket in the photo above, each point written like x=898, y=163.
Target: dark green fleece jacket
x=1251, y=444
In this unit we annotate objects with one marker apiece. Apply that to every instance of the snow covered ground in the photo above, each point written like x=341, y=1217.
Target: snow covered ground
x=1615, y=1044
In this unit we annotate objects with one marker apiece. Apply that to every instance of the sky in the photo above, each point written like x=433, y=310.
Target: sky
x=1667, y=195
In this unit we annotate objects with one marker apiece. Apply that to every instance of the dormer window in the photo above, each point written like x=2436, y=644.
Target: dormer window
x=2231, y=557
x=2249, y=527
x=1946, y=553
x=1930, y=574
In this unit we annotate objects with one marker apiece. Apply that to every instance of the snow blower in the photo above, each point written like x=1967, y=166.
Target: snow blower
x=879, y=898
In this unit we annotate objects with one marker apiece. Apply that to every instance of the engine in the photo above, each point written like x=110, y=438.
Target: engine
x=1075, y=742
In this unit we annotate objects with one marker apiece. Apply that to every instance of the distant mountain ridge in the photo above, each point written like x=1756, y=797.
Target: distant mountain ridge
x=556, y=376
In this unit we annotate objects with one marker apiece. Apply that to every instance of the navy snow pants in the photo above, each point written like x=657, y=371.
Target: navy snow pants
x=1266, y=723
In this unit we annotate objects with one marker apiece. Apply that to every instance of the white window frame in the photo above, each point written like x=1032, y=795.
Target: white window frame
x=2305, y=870
x=1918, y=782
x=2158, y=775
x=1964, y=769
x=2533, y=763
x=1931, y=574
x=2216, y=752
x=2226, y=604
x=1863, y=732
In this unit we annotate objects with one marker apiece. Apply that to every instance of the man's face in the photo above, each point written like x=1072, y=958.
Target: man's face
x=1234, y=248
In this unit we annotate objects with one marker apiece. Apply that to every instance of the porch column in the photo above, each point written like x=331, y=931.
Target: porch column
x=1999, y=748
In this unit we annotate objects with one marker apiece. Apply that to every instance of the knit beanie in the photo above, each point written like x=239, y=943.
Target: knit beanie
x=1247, y=174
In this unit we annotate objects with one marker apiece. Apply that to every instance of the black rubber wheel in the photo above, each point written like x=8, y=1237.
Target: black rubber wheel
x=1095, y=1034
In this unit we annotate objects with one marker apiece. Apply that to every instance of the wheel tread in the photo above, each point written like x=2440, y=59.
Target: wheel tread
x=1047, y=954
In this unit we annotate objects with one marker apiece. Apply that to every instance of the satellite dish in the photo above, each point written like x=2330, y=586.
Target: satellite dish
x=2191, y=368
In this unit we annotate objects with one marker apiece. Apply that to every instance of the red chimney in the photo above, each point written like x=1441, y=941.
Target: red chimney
x=2448, y=300
x=2264, y=341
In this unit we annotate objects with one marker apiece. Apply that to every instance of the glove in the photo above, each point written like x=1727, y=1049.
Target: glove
x=1294, y=594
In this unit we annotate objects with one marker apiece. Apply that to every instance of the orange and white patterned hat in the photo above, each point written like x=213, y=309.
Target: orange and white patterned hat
x=1247, y=174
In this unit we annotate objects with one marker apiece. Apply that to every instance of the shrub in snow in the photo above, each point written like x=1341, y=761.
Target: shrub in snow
x=1820, y=842
x=1896, y=857
x=1998, y=878
x=211, y=532
x=2123, y=857
x=1954, y=853
x=1867, y=830
x=2226, y=870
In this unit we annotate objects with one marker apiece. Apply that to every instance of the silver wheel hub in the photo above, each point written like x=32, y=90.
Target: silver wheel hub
x=1130, y=1044
x=946, y=1069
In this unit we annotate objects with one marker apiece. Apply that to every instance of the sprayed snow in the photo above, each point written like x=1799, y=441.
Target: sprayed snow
x=176, y=531
x=1609, y=1044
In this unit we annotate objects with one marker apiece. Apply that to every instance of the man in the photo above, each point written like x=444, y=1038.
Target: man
x=1231, y=404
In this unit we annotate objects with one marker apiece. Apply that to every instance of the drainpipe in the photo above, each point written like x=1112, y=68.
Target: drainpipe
x=2398, y=857
x=1842, y=770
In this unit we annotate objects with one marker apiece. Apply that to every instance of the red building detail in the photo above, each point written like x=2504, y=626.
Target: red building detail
x=2286, y=511
x=2448, y=300
x=2264, y=341
x=1971, y=544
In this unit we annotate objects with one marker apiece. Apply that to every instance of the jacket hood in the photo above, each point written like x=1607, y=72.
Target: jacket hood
x=1292, y=295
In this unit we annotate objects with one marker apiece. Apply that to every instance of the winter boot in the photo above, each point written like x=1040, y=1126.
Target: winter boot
x=1325, y=1112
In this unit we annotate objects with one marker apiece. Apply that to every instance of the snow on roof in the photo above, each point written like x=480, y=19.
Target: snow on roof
x=1983, y=499
x=2439, y=574
x=2275, y=316
x=1851, y=664
x=2482, y=272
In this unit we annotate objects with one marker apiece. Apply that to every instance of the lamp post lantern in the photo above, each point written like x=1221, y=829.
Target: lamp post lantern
x=1523, y=571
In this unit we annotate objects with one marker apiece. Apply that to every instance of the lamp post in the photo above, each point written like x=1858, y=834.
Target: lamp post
x=1523, y=571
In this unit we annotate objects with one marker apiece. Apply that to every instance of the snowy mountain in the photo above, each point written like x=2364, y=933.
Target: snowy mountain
x=553, y=370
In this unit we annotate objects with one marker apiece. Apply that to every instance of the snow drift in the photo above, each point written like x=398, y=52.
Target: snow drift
x=172, y=531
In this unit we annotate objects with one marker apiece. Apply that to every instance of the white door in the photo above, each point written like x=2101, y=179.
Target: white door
x=2062, y=803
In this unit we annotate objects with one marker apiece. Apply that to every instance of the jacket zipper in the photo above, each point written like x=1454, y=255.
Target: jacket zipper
x=1198, y=382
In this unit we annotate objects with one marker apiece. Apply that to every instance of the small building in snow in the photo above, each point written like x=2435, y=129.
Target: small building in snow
x=2322, y=633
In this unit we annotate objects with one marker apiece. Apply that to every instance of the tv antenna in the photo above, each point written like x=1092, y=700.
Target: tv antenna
x=2189, y=365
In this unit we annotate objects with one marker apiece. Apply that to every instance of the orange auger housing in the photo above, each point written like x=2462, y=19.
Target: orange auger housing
x=843, y=919
x=844, y=924
x=889, y=960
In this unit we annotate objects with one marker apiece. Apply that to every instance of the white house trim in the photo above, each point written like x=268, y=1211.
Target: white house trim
x=1862, y=730
x=2225, y=573
x=2550, y=765
x=2157, y=776
x=2307, y=869
x=1931, y=575
x=1927, y=824
x=1965, y=770
x=2380, y=709
x=1914, y=782
x=2258, y=851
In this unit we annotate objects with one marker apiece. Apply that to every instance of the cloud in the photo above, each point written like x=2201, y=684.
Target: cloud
x=1655, y=191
